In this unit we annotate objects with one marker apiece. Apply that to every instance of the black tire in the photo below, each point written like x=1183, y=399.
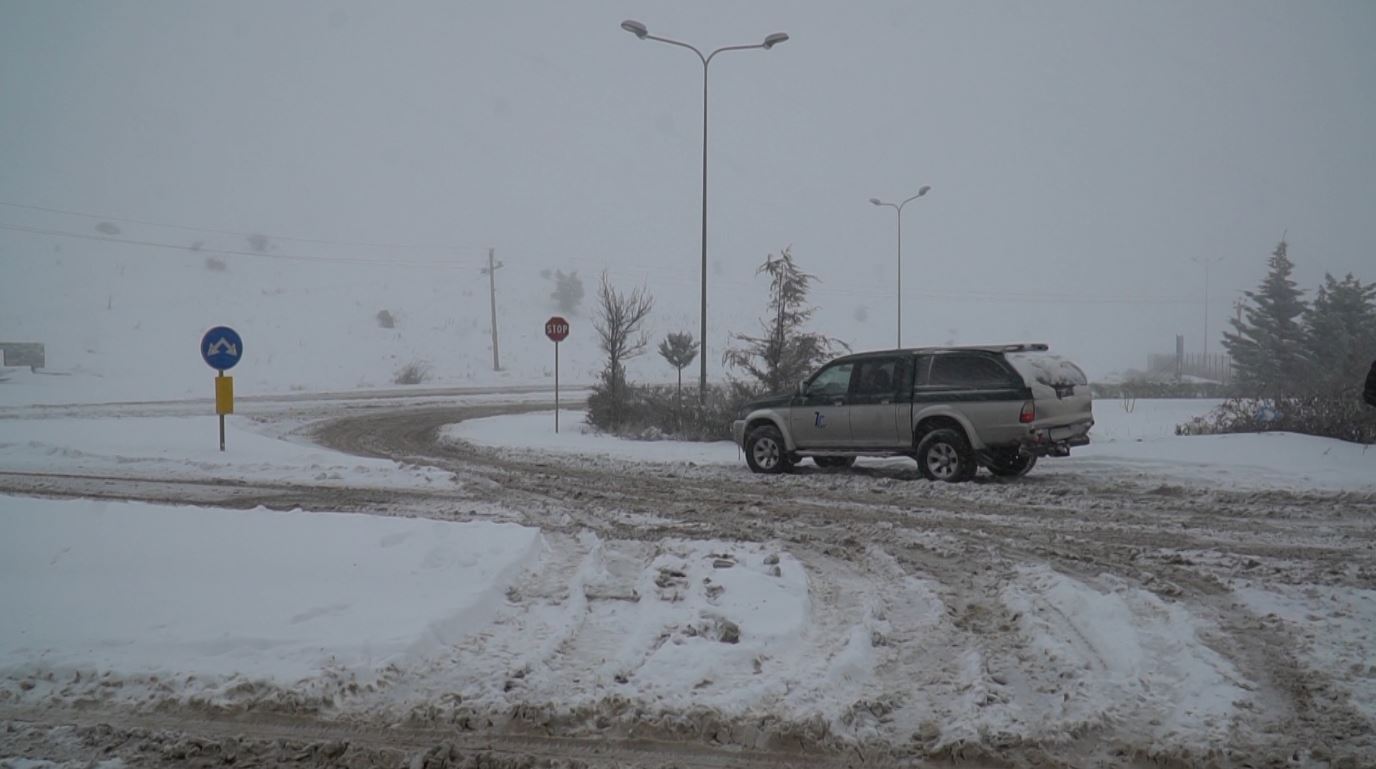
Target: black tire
x=765, y=451
x=834, y=462
x=945, y=455
x=1011, y=464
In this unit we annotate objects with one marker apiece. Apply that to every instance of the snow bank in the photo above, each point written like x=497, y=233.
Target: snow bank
x=1142, y=444
x=188, y=447
x=145, y=589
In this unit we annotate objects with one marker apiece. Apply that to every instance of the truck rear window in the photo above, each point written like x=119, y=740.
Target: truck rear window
x=1050, y=370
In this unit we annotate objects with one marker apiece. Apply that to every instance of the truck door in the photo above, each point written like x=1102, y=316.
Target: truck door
x=821, y=417
x=876, y=407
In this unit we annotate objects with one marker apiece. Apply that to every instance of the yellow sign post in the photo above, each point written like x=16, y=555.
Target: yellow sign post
x=224, y=401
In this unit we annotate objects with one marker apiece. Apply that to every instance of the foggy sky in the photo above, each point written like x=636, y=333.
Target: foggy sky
x=1080, y=153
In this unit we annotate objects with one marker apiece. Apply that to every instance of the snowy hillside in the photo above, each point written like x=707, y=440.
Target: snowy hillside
x=122, y=322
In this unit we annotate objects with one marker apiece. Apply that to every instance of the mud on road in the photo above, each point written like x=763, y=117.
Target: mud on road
x=978, y=604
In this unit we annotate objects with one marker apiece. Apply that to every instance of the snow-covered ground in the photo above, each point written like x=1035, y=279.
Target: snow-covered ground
x=872, y=626
x=187, y=447
x=227, y=597
x=535, y=431
x=140, y=604
x=1141, y=444
x=1138, y=444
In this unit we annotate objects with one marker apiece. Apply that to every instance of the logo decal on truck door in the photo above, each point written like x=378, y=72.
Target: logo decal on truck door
x=819, y=419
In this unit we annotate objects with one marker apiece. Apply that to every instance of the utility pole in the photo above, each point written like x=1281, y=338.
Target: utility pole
x=491, y=270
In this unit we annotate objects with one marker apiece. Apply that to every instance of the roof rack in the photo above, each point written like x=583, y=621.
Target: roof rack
x=1027, y=347
x=1019, y=347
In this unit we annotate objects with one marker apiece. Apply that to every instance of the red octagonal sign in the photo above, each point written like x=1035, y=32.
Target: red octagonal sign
x=557, y=329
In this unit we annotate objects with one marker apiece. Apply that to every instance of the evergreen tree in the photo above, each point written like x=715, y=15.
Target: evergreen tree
x=1269, y=345
x=679, y=349
x=568, y=291
x=1340, y=329
x=785, y=354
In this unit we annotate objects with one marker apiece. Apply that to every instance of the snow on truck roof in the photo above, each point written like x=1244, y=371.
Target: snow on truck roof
x=1022, y=347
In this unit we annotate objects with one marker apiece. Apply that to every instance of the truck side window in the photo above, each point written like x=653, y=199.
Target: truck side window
x=877, y=377
x=969, y=371
x=833, y=381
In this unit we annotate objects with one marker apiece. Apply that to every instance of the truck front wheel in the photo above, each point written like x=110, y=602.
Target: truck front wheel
x=765, y=452
x=945, y=455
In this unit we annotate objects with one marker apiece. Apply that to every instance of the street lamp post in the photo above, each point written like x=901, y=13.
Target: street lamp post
x=898, y=209
x=1206, y=261
x=639, y=30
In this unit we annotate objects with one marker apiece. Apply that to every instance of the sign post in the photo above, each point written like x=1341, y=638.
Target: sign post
x=557, y=329
x=221, y=348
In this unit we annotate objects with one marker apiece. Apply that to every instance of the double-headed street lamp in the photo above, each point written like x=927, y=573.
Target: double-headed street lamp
x=898, y=207
x=639, y=30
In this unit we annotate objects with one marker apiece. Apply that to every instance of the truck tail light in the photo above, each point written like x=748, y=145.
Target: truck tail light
x=1029, y=412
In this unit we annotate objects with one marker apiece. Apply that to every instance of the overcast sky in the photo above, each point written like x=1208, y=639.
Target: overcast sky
x=1080, y=153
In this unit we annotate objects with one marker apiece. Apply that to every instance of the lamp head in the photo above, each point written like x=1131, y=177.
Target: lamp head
x=774, y=39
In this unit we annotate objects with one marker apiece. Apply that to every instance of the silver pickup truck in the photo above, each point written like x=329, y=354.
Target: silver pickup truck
x=953, y=409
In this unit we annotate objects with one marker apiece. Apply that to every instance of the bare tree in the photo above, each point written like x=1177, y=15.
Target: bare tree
x=619, y=322
x=679, y=349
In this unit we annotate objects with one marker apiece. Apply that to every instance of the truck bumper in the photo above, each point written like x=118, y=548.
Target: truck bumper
x=1057, y=441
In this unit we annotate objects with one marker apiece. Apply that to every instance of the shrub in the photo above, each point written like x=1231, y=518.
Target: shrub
x=654, y=412
x=385, y=319
x=412, y=373
x=215, y=264
x=1341, y=416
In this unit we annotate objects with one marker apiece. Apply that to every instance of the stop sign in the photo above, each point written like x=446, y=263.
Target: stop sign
x=557, y=329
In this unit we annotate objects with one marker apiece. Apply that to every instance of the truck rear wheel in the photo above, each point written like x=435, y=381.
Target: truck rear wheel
x=1011, y=464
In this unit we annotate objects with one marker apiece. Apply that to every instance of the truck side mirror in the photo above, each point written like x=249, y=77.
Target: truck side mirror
x=802, y=387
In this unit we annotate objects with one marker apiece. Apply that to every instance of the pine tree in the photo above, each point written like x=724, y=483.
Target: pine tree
x=785, y=354
x=1341, y=331
x=1269, y=346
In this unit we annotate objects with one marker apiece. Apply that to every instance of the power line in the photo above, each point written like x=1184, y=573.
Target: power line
x=679, y=277
x=188, y=228
x=641, y=272
x=218, y=251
